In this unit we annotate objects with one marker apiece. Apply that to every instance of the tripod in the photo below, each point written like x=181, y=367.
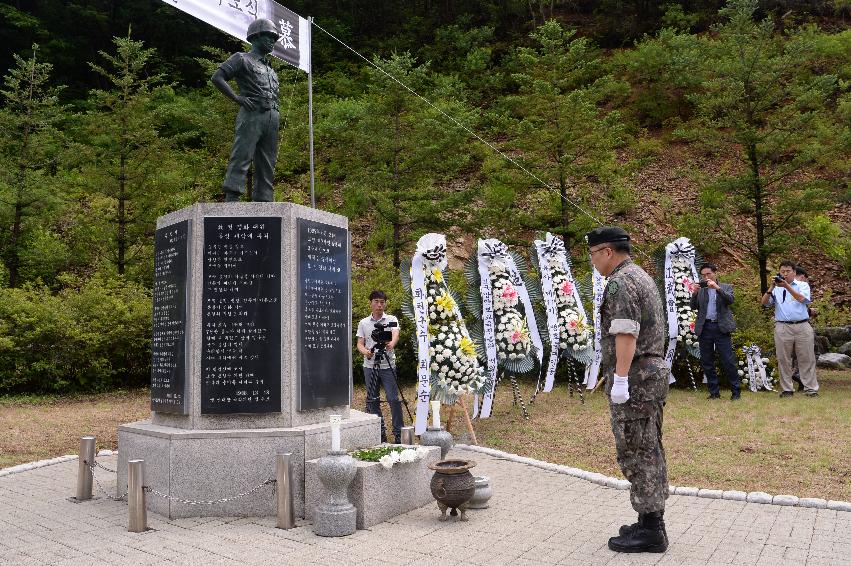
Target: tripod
x=373, y=395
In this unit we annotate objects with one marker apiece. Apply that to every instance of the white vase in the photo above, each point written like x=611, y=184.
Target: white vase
x=482, y=494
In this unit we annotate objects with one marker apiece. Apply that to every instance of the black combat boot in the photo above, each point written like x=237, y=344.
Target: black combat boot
x=648, y=536
x=626, y=529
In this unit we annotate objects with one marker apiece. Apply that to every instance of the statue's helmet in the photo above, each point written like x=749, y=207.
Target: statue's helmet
x=261, y=25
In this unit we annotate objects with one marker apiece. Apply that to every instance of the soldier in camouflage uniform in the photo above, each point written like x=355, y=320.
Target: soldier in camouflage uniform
x=633, y=348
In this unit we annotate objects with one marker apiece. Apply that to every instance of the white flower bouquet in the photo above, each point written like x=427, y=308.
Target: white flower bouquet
x=455, y=369
x=684, y=286
x=513, y=341
x=752, y=378
x=451, y=365
x=575, y=333
x=389, y=456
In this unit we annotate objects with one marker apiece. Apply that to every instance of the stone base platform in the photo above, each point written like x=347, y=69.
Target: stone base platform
x=376, y=493
x=206, y=465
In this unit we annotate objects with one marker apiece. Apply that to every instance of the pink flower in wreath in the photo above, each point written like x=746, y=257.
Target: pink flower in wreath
x=572, y=323
x=691, y=326
x=509, y=293
x=567, y=288
x=516, y=337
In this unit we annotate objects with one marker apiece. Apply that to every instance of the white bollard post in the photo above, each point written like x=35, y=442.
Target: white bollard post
x=407, y=433
x=284, y=480
x=84, y=472
x=138, y=516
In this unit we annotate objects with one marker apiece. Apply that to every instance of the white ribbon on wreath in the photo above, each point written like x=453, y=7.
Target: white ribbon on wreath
x=679, y=248
x=553, y=247
x=592, y=372
x=489, y=250
x=430, y=253
x=757, y=376
x=523, y=293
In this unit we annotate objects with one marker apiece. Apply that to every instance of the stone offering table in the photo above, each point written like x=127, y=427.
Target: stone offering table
x=251, y=355
x=379, y=494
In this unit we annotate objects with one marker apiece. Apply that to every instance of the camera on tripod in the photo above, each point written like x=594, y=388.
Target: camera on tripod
x=380, y=335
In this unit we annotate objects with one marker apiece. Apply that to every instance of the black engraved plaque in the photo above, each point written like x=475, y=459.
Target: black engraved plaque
x=241, y=315
x=168, y=346
x=324, y=318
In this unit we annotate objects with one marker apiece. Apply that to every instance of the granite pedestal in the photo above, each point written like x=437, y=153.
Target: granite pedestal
x=251, y=355
x=207, y=465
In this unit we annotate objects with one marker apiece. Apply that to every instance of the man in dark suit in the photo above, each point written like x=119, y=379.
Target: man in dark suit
x=713, y=327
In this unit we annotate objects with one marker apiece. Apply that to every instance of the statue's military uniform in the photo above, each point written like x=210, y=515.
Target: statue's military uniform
x=256, y=130
x=632, y=305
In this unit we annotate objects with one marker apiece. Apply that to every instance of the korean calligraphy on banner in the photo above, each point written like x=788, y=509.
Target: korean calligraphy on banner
x=423, y=357
x=234, y=16
x=679, y=259
x=592, y=371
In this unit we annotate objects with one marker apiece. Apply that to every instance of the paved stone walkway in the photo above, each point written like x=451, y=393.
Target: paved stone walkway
x=536, y=517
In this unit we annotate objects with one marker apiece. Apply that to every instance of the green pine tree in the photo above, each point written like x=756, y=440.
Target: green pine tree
x=760, y=102
x=30, y=147
x=397, y=156
x=131, y=169
x=568, y=138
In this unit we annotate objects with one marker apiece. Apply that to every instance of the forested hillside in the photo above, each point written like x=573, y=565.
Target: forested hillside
x=724, y=122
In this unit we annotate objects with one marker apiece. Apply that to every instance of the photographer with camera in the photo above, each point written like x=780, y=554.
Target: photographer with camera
x=377, y=336
x=793, y=333
x=713, y=327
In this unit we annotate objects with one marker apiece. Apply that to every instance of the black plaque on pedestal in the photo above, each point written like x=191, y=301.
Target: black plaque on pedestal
x=168, y=346
x=241, y=315
x=324, y=317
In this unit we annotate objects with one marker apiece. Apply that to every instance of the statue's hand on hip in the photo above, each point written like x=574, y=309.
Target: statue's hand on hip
x=246, y=103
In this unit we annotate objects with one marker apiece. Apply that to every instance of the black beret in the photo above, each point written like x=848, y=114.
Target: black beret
x=606, y=234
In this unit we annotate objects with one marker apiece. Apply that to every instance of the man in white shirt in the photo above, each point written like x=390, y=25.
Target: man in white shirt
x=793, y=333
x=385, y=370
x=803, y=278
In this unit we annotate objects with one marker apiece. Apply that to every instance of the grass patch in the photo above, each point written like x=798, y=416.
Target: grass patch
x=795, y=446
x=40, y=427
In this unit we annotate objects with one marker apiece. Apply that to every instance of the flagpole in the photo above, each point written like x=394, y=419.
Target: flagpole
x=310, y=110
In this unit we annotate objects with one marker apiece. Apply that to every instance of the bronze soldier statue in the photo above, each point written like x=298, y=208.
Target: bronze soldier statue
x=257, y=122
x=633, y=348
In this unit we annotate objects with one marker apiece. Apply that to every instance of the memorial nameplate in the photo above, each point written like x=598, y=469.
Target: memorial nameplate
x=324, y=317
x=168, y=346
x=241, y=315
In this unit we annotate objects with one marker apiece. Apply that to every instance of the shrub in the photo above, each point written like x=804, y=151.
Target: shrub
x=92, y=335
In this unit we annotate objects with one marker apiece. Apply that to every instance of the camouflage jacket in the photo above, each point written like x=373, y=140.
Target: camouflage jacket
x=632, y=305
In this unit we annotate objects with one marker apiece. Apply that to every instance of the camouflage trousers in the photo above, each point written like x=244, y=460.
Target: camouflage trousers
x=637, y=427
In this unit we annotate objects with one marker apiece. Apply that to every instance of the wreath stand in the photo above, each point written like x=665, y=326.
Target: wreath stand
x=467, y=420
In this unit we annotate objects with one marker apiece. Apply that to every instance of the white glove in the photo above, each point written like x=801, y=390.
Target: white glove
x=620, y=389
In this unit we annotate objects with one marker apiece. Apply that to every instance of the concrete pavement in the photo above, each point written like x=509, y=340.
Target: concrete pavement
x=536, y=517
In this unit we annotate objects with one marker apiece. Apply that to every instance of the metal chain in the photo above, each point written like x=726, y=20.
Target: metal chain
x=102, y=467
x=255, y=489
x=99, y=486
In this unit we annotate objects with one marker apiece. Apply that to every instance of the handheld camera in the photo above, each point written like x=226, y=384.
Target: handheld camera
x=380, y=335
